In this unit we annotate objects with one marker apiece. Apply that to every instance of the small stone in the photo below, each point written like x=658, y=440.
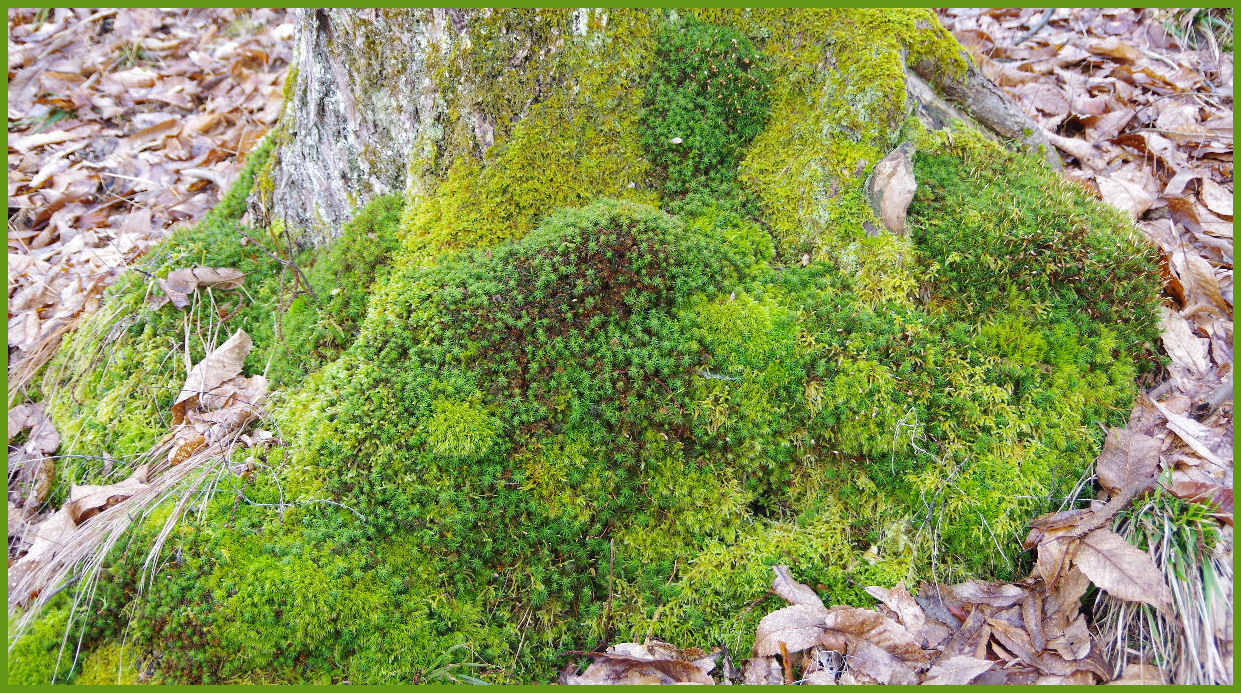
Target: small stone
x=675, y=140
x=805, y=260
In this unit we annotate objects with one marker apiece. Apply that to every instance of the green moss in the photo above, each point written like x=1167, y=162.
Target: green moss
x=578, y=98
x=109, y=664
x=706, y=99
x=545, y=420
x=35, y=659
x=316, y=331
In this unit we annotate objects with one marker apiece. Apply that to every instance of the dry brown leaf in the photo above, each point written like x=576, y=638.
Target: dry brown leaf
x=1074, y=643
x=182, y=282
x=651, y=663
x=1139, y=675
x=87, y=501
x=1113, y=48
x=1201, y=438
x=845, y=626
x=1128, y=461
x=792, y=591
x=879, y=664
x=1122, y=570
x=219, y=366
x=997, y=594
x=32, y=469
x=1197, y=274
x=956, y=671
x=1126, y=192
x=902, y=603
x=1216, y=198
x=799, y=627
x=762, y=671
x=1179, y=341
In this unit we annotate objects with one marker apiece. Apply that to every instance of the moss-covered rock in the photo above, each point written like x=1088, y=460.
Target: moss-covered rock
x=547, y=401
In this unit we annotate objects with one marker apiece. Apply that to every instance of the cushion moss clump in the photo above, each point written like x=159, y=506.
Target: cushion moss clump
x=548, y=410
x=705, y=100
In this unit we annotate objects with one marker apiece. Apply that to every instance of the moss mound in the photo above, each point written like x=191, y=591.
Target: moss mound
x=553, y=410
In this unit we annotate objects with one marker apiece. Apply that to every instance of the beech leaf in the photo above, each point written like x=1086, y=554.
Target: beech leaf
x=1128, y=461
x=1122, y=570
x=956, y=671
x=219, y=366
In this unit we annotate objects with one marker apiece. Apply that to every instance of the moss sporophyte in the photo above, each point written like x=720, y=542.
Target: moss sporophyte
x=582, y=387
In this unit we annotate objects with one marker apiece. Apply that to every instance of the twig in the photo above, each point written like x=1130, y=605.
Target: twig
x=1038, y=26
x=289, y=264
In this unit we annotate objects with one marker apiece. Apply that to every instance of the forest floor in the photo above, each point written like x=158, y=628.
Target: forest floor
x=124, y=123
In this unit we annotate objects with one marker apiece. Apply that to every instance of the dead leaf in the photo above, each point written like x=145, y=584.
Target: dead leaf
x=182, y=282
x=995, y=594
x=1179, y=341
x=762, y=671
x=792, y=591
x=956, y=671
x=219, y=366
x=1140, y=675
x=799, y=627
x=898, y=599
x=1122, y=570
x=652, y=663
x=87, y=501
x=879, y=664
x=1216, y=198
x=1128, y=461
x=1197, y=436
x=1113, y=48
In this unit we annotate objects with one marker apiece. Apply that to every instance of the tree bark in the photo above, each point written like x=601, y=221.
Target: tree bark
x=363, y=103
x=360, y=99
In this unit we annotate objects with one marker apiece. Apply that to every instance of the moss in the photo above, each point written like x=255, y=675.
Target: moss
x=546, y=420
x=316, y=329
x=837, y=103
x=706, y=99
x=36, y=659
x=579, y=98
x=109, y=664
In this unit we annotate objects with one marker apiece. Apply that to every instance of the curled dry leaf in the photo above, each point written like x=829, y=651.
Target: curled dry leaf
x=792, y=591
x=1179, y=341
x=31, y=466
x=762, y=671
x=84, y=503
x=1216, y=198
x=1201, y=438
x=902, y=603
x=219, y=366
x=995, y=594
x=798, y=627
x=636, y=664
x=179, y=284
x=956, y=671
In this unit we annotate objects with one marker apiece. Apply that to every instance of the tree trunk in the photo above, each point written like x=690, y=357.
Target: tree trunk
x=376, y=94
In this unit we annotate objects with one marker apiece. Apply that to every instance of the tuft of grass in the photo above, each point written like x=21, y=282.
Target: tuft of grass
x=1188, y=546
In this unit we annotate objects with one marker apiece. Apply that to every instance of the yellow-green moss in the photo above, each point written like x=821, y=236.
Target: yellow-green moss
x=559, y=428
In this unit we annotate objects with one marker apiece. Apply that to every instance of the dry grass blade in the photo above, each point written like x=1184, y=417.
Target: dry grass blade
x=81, y=553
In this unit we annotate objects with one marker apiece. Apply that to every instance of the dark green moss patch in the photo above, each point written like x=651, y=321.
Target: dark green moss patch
x=706, y=99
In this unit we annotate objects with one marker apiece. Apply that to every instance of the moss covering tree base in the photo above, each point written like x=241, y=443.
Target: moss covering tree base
x=571, y=412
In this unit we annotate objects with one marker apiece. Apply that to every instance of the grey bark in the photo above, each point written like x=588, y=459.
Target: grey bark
x=360, y=102
x=979, y=98
x=363, y=105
